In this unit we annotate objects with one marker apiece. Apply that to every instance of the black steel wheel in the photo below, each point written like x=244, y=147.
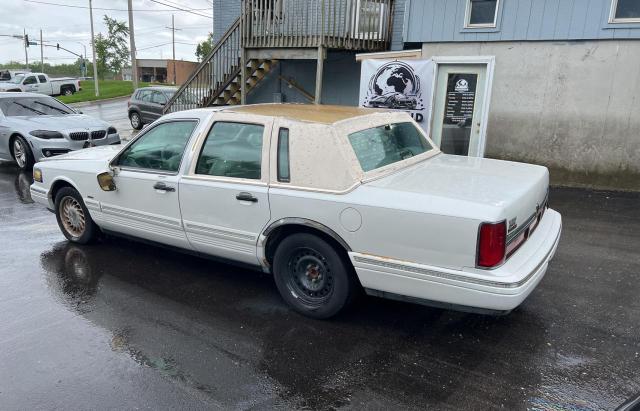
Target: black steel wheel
x=312, y=276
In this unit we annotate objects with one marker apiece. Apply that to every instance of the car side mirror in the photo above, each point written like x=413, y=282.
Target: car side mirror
x=105, y=181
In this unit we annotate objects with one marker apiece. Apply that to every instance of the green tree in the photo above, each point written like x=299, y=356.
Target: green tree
x=204, y=47
x=112, y=52
x=101, y=46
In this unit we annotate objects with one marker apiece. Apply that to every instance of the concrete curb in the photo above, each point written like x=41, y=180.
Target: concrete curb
x=88, y=103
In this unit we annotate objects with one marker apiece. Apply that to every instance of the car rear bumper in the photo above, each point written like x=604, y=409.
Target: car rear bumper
x=501, y=289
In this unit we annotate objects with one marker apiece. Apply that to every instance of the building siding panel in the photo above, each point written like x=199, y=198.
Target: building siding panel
x=592, y=20
x=522, y=18
x=508, y=26
x=578, y=20
x=443, y=21
x=397, y=23
x=563, y=19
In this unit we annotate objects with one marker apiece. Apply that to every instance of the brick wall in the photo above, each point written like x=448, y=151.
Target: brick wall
x=183, y=70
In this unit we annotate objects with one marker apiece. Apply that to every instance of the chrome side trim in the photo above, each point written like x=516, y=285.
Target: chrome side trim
x=456, y=277
x=131, y=215
x=218, y=232
x=264, y=236
x=304, y=222
x=39, y=190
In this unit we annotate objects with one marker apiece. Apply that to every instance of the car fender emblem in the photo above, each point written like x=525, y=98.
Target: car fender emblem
x=512, y=225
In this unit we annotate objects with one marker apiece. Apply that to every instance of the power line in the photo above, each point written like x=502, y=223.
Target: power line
x=181, y=9
x=151, y=47
x=112, y=9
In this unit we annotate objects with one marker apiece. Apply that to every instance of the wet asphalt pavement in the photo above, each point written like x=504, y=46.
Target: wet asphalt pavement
x=121, y=325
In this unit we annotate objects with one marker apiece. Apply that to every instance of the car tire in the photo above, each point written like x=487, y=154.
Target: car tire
x=73, y=217
x=136, y=120
x=312, y=277
x=68, y=91
x=22, y=154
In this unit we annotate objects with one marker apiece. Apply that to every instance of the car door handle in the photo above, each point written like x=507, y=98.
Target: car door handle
x=162, y=186
x=246, y=197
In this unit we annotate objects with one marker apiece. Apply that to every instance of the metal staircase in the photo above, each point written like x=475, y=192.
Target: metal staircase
x=217, y=80
x=281, y=29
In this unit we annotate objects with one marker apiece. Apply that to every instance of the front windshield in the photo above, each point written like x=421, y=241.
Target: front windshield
x=33, y=106
x=17, y=79
x=380, y=146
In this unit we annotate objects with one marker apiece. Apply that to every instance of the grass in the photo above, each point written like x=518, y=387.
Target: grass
x=108, y=89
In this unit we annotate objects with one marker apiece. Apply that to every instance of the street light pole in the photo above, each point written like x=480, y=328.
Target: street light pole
x=41, y=53
x=93, y=46
x=26, y=45
x=132, y=46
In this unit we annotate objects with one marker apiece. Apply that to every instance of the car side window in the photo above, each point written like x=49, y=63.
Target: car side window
x=144, y=95
x=232, y=150
x=283, y=156
x=161, y=148
x=158, y=98
x=30, y=80
x=42, y=78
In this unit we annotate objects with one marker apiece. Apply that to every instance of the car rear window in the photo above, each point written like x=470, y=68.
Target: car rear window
x=380, y=146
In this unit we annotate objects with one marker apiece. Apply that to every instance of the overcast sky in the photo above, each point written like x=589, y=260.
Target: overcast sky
x=71, y=26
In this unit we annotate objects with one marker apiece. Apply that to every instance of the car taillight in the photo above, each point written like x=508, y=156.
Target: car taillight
x=492, y=244
x=128, y=103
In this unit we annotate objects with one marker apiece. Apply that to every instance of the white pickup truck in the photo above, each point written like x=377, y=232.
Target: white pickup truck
x=41, y=83
x=7, y=75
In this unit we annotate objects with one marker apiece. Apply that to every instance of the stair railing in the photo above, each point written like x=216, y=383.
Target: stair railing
x=220, y=66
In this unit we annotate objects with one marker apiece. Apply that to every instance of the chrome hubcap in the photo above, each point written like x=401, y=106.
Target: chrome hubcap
x=72, y=216
x=19, y=153
x=135, y=121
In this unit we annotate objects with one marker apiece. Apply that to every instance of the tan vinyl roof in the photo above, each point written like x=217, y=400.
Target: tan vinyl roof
x=305, y=112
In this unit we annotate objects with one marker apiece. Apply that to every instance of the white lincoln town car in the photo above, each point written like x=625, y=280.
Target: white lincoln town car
x=329, y=199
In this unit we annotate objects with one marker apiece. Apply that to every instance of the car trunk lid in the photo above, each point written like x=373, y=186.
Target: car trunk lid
x=515, y=190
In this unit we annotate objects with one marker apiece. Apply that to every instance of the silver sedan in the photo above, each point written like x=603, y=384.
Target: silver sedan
x=34, y=126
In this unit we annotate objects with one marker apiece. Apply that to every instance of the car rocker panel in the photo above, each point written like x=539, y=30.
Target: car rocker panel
x=413, y=223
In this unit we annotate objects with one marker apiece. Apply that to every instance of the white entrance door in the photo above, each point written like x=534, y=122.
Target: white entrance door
x=459, y=108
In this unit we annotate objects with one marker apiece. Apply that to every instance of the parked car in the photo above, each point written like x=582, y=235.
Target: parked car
x=7, y=75
x=146, y=104
x=328, y=199
x=394, y=101
x=42, y=84
x=33, y=126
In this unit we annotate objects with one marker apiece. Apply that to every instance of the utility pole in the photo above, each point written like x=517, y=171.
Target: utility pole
x=132, y=46
x=93, y=47
x=26, y=45
x=41, y=53
x=173, y=41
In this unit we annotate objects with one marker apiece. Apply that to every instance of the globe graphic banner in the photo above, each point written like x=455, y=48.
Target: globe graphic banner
x=398, y=85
